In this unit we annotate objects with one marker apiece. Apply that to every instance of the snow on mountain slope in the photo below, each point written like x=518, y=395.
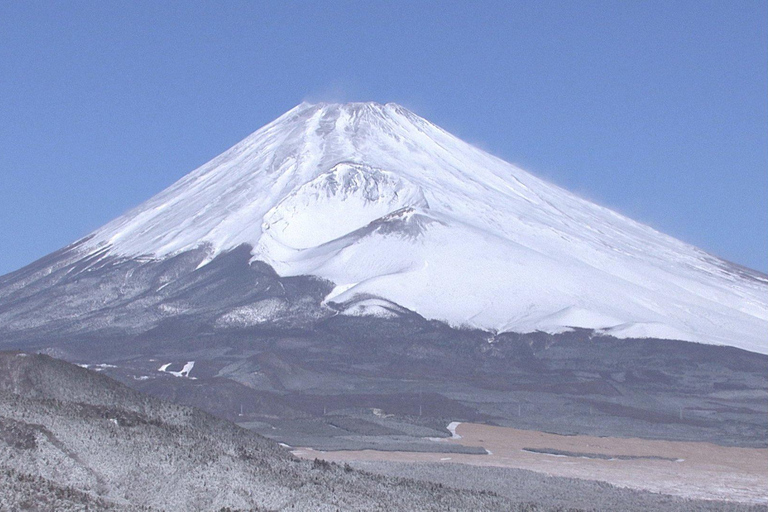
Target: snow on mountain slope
x=386, y=204
x=338, y=202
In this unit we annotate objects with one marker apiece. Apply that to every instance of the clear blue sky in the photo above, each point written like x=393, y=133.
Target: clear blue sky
x=658, y=110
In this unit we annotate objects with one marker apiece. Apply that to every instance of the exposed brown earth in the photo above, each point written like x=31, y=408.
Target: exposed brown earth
x=688, y=469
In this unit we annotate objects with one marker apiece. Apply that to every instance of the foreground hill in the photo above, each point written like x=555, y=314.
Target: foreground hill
x=70, y=438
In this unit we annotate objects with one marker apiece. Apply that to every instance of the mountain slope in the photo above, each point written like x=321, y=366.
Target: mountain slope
x=384, y=204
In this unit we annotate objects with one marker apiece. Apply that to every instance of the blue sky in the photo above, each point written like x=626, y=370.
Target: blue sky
x=658, y=110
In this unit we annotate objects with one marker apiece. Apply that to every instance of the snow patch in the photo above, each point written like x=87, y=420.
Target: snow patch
x=260, y=312
x=100, y=367
x=184, y=372
x=171, y=309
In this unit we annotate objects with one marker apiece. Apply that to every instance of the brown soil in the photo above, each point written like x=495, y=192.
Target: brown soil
x=697, y=470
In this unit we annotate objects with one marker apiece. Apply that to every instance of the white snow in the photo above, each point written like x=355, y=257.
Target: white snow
x=452, y=429
x=260, y=312
x=338, y=202
x=184, y=372
x=100, y=367
x=386, y=204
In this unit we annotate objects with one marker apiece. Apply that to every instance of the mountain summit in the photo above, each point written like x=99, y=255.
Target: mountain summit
x=395, y=211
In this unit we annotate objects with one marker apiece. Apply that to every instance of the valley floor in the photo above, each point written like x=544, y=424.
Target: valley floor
x=701, y=471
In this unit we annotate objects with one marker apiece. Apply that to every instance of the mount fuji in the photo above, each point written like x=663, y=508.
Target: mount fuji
x=352, y=276
x=395, y=211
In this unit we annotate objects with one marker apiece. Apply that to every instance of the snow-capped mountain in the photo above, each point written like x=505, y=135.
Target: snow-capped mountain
x=393, y=209
x=352, y=258
x=385, y=204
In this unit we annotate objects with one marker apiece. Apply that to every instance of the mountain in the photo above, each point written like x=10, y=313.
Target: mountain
x=395, y=212
x=349, y=259
x=383, y=203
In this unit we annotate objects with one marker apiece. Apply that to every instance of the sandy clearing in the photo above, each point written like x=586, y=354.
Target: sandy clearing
x=698, y=470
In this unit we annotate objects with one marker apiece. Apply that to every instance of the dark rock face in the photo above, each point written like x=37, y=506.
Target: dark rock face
x=63, y=296
x=270, y=355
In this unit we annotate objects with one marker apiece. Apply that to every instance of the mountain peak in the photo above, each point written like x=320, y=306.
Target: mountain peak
x=495, y=247
x=377, y=116
x=228, y=197
x=353, y=107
